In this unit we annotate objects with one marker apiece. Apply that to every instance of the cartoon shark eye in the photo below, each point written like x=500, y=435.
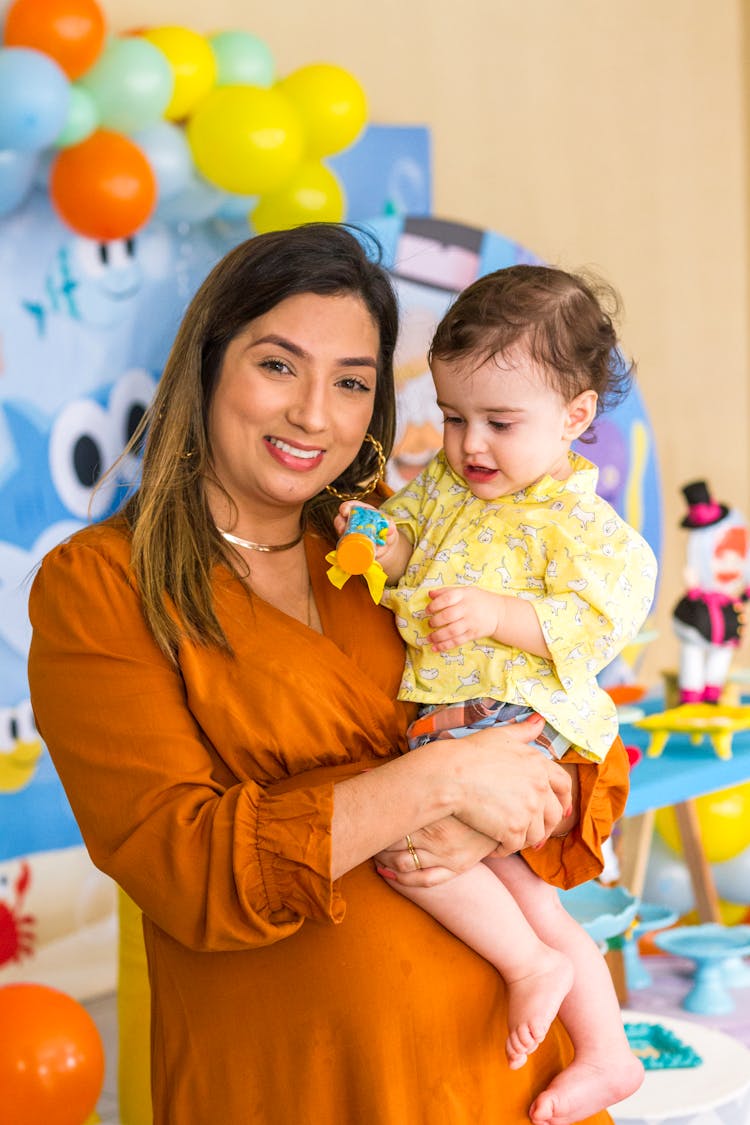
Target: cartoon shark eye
x=83, y=445
x=8, y=730
x=22, y=722
x=128, y=402
x=119, y=253
x=89, y=257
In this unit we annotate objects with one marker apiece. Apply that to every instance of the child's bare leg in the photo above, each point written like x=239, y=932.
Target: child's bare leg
x=477, y=908
x=604, y=1069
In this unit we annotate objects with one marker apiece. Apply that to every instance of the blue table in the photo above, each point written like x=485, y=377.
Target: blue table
x=682, y=771
x=680, y=774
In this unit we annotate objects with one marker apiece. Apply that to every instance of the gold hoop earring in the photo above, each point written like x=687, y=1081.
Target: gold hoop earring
x=373, y=483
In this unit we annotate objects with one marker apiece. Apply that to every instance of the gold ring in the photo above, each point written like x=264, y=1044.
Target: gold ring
x=413, y=852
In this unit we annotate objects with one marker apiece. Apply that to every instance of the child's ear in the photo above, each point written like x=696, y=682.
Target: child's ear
x=580, y=413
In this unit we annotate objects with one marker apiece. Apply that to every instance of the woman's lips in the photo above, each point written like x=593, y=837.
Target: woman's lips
x=293, y=456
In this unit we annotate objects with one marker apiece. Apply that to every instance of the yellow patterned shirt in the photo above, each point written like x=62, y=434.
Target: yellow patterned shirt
x=589, y=575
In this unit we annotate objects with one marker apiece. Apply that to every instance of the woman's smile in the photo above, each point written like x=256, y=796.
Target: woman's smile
x=294, y=456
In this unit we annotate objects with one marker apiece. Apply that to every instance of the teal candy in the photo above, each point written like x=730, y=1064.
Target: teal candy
x=658, y=1048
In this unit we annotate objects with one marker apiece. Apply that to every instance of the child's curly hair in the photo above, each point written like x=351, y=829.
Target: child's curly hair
x=566, y=320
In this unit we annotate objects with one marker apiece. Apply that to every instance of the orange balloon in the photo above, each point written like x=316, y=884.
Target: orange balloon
x=69, y=31
x=51, y=1057
x=104, y=188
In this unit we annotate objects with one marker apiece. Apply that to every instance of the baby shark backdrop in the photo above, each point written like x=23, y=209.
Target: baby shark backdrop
x=90, y=298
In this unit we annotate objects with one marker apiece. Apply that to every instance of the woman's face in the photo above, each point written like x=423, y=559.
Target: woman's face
x=292, y=402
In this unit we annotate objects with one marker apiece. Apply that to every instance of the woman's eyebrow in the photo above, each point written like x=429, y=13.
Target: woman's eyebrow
x=295, y=349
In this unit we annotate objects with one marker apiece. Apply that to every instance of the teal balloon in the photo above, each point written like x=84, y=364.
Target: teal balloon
x=17, y=174
x=242, y=59
x=131, y=84
x=167, y=151
x=34, y=99
x=83, y=118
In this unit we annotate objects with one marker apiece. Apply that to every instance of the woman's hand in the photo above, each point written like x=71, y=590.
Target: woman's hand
x=443, y=849
x=508, y=790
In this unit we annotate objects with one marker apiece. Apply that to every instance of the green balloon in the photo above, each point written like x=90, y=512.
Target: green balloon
x=131, y=84
x=82, y=120
x=242, y=59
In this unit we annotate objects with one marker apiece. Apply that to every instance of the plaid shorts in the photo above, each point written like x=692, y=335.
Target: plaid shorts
x=456, y=720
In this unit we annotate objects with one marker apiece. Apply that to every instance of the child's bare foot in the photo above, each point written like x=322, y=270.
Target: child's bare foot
x=587, y=1087
x=533, y=1003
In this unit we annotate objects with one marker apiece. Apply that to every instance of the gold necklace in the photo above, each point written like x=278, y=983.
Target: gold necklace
x=269, y=548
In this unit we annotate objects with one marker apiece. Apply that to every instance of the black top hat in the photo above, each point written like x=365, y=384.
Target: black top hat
x=703, y=510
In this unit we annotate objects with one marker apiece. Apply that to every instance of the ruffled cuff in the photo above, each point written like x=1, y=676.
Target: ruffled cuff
x=293, y=834
x=566, y=861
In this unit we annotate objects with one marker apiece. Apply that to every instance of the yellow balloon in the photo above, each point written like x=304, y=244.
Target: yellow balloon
x=245, y=139
x=724, y=821
x=331, y=103
x=731, y=914
x=193, y=64
x=312, y=195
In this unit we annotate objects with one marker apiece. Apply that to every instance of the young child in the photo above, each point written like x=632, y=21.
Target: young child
x=516, y=585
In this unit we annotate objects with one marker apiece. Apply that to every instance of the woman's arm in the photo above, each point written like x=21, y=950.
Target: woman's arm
x=492, y=781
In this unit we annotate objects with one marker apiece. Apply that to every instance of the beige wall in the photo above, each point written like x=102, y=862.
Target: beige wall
x=607, y=133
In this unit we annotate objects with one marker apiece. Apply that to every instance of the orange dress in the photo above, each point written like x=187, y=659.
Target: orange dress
x=279, y=997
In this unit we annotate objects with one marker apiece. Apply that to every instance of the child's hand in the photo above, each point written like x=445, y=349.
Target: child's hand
x=388, y=552
x=342, y=516
x=458, y=614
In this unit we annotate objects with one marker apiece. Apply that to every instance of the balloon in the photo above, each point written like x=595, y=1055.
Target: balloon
x=667, y=880
x=103, y=188
x=732, y=878
x=193, y=65
x=51, y=1057
x=83, y=118
x=197, y=202
x=167, y=151
x=313, y=194
x=237, y=207
x=131, y=84
x=245, y=139
x=331, y=103
x=34, y=99
x=17, y=174
x=724, y=821
x=241, y=59
x=70, y=31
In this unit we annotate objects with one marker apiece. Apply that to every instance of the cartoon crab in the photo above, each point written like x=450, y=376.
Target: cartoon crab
x=16, y=929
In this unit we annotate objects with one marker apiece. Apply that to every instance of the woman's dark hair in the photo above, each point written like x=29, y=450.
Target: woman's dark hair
x=566, y=320
x=175, y=542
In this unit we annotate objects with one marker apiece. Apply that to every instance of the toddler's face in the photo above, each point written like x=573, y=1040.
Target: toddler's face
x=505, y=425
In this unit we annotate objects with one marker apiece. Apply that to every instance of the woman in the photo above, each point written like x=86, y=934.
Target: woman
x=215, y=708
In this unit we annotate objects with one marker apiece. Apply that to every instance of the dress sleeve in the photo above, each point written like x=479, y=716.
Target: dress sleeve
x=566, y=861
x=596, y=599
x=218, y=863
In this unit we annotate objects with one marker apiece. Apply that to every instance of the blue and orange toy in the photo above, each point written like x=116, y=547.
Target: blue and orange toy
x=365, y=531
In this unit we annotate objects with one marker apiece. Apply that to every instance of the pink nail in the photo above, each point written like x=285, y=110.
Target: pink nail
x=386, y=872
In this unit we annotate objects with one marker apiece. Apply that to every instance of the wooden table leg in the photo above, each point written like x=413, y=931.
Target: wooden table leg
x=635, y=845
x=706, y=897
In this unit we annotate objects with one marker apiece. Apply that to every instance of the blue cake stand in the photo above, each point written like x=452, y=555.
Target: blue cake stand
x=649, y=917
x=710, y=946
x=604, y=912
